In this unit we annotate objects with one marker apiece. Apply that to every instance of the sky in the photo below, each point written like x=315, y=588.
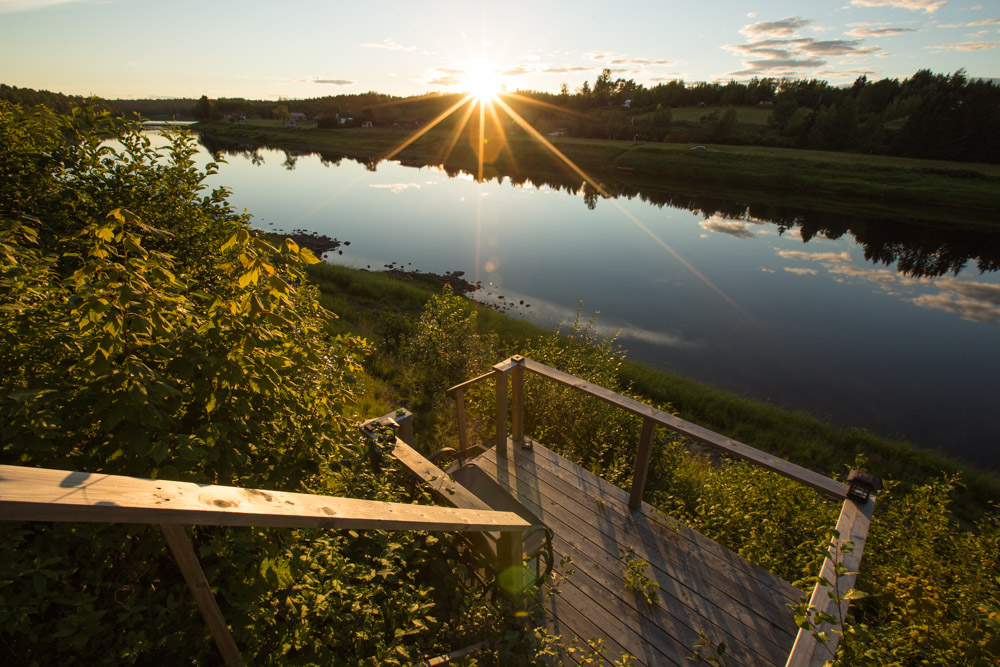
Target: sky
x=310, y=48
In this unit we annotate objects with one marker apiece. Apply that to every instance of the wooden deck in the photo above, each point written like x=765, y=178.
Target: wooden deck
x=703, y=587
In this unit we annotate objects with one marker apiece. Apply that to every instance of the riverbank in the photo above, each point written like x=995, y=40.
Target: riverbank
x=955, y=193
x=384, y=307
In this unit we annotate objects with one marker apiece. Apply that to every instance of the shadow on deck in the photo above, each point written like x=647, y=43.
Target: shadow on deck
x=703, y=587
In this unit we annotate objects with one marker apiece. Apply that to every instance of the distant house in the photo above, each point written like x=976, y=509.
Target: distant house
x=367, y=123
x=290, y=122
x=296, y=116
x=407, y=122
x=766, y=103
x=559, y=132
x=627, y=104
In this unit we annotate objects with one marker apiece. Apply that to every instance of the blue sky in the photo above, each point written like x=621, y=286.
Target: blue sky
x=301, y=49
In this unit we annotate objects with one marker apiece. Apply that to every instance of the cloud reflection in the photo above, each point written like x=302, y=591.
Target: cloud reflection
x=548, y=311
x=733, y=228
x=395, y=188
x=970, y=300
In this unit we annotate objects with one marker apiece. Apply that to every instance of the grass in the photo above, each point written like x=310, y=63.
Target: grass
x=384, y=307
x=747, y=115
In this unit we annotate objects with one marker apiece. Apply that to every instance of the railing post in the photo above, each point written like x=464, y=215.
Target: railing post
x=404, y=418
x=517, y=399
x=510, y=564
x=463, y=434
x=642, y=463
x=187, y=560
x=501, y=378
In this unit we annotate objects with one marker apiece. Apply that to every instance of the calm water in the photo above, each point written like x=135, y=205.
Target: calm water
x=780, y=312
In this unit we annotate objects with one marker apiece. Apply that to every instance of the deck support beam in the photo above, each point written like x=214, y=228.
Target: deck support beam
x=180, y=545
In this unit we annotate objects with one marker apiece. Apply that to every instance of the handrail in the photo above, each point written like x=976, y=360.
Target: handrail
x=468, y=383
x=821, y=483
x=852, y=526
x=40, y=494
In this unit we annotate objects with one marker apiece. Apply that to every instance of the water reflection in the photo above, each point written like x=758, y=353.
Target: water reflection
x=914, y=248
x=877, y=321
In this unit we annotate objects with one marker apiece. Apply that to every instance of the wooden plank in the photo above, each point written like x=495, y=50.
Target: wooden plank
x=821, y=483
x=688, y=614
x=852, y=526
x=180, y=546
x=730, y=618
x=642, y=463
x=565, y=618
x=37, y=494
x=441, y=485
x=734, y=575
x=728, y=585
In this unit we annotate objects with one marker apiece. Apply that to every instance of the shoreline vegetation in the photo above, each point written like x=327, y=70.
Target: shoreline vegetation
x=919, y=190
x=359, y=297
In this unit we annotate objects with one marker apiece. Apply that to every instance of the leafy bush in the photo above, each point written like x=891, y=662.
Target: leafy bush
x=934, y=587
x=146, y=330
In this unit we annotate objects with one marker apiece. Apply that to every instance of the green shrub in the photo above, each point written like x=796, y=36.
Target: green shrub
x=146, y=330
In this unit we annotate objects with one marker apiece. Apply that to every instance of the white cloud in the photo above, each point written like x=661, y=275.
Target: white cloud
x=928, y=6
x=786, y=27
x=14, y=6
x=965, y=46
x=775, y=50
x=802, y=271
x=878, y=32
x=390, y=44
x=333, y=82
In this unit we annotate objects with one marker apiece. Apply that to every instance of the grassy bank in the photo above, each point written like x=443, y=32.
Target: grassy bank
x=385, y=308
x=846, y=180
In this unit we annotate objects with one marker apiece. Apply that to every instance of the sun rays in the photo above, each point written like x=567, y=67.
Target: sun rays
x=478, y=115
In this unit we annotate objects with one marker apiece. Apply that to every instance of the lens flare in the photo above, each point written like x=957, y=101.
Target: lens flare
x=484, y=93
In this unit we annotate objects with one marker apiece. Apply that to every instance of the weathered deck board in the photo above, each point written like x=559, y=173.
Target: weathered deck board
x=703, y=586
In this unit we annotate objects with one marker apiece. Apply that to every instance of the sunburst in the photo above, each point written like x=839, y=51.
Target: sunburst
x=484, y=91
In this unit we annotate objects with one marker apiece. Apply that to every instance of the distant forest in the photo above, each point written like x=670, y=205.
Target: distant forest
x=928, y=115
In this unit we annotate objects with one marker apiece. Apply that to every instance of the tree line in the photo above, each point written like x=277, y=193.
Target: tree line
x=928, y=115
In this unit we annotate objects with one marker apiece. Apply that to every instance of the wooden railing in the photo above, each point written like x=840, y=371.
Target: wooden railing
x=852, y=526
x=38, y=494
x=514, y=368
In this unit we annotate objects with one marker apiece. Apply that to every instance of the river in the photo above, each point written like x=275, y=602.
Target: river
x=777, y=305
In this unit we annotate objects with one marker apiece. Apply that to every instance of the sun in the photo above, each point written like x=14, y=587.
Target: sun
x=482, y=81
